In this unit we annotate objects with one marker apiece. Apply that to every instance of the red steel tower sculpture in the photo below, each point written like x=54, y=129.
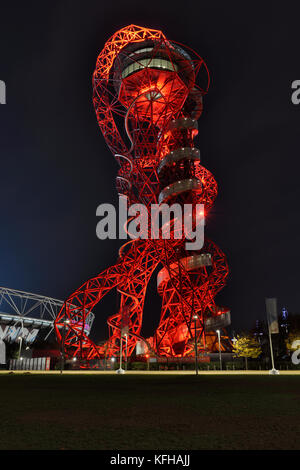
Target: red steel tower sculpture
x=147, y=84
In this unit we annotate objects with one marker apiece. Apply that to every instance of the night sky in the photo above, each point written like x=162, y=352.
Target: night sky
x=56, y=168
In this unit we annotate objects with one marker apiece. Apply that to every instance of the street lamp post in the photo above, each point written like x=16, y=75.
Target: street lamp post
x=120, y=370
x=220, y=353
x=62, y=362
x=20, y=347
x=21, y=340
x=195, y=317
x=126, y=340
x=148, y=361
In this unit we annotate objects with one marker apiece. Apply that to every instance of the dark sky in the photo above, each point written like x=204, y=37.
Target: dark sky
x=56, y=168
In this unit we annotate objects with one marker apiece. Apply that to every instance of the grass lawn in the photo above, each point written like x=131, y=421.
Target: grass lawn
x=149, y=412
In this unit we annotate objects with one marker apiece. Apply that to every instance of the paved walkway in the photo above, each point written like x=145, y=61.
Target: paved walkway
x=145, y=372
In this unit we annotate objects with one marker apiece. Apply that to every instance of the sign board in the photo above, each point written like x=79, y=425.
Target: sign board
x=179, y=360
x=271, y=307
x=141, y=348
x=2, y=352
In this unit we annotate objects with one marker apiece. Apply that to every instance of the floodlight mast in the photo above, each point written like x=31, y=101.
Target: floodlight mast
x=157, y=87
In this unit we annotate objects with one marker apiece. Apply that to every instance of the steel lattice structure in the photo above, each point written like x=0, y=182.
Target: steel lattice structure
x=148, y=90
x=25, y=313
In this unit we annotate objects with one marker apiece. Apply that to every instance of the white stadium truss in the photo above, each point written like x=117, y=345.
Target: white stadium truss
x=23, y=314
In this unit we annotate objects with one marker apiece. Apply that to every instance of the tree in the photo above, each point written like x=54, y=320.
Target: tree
x=291, y=340
x=246, y=346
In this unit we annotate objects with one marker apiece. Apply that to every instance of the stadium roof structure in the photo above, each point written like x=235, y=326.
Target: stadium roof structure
x=30, y=311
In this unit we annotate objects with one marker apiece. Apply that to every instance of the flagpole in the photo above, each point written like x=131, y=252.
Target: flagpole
x=271, y=350
x=272, y=318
